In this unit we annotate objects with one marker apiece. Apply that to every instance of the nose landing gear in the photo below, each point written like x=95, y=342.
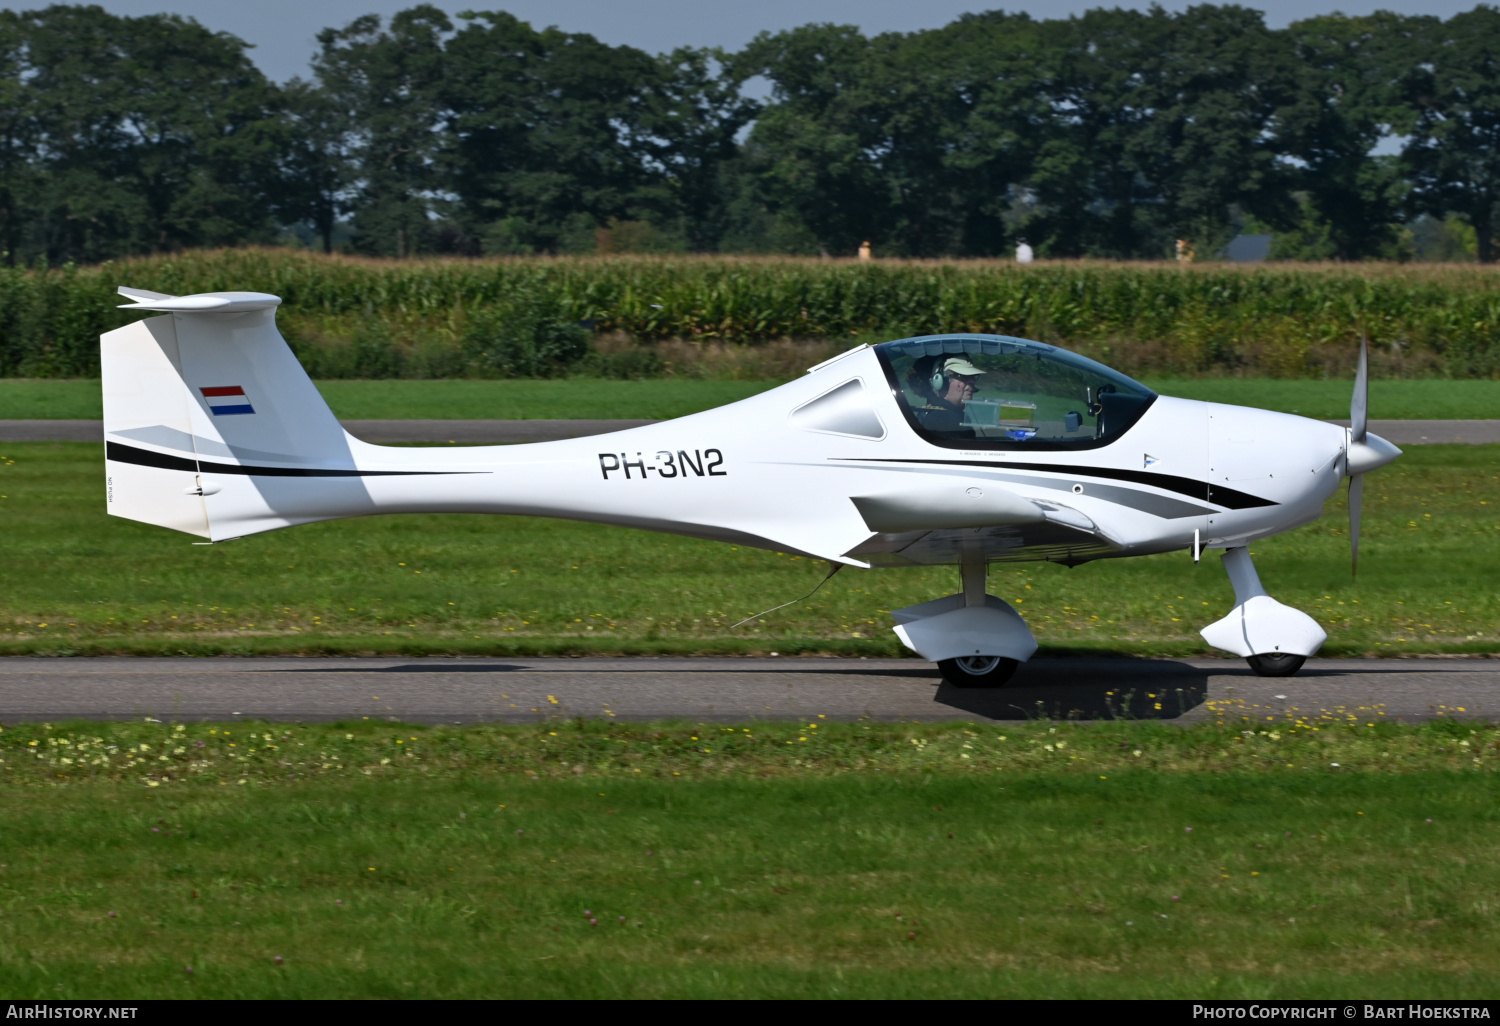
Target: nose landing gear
x=1275, y=639
x=1278, y=664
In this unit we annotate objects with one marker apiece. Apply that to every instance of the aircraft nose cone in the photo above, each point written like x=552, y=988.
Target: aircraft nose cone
x=1371, y=454
x=1260, y=446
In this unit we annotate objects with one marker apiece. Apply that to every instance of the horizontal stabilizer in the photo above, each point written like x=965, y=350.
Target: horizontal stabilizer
x=141, y=294
x=204, y=302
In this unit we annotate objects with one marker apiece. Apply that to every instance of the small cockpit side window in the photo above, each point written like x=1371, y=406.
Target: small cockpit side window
x=844, y=410
x=990, y=391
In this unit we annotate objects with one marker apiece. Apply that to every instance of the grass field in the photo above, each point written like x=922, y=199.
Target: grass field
x=582, y=399
x=578, y=399
x=77, y=581
x=1337, y=858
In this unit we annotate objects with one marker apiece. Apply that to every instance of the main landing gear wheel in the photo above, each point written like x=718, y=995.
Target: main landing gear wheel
x=977, y=671
x=1276, y=664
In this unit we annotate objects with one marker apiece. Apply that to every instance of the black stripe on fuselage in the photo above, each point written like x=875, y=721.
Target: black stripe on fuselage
x=1226, y=497
x=146, y=458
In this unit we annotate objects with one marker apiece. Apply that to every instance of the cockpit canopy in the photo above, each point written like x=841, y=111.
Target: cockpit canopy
x=997, y=392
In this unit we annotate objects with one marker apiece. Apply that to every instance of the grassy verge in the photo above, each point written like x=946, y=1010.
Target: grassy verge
x=585, y=399
x=572, y=399
x=588, y=859
x=1329, y=400
x=75, y=581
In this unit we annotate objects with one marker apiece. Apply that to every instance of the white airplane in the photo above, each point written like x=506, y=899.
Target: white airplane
x=947, y=449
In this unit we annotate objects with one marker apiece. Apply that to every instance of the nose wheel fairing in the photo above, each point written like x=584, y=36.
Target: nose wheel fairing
x=1275, y=637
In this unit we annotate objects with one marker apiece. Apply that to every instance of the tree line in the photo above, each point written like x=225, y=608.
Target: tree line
x=1112, y=134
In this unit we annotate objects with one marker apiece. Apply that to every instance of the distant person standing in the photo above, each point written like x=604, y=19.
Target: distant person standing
x=864, y=251
x=1024, y=255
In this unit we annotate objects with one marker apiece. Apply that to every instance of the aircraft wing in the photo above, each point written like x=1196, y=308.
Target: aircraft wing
x=1050, y=540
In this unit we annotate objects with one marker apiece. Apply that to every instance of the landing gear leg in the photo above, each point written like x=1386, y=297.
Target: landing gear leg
x=973, y=572
x=977, y=640
x=979, y=671
x=1275, y=639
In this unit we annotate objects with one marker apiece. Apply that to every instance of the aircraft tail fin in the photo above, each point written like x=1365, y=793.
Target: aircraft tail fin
x=211, y=425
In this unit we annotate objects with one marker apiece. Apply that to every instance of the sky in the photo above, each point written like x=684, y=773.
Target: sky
x=284, y=32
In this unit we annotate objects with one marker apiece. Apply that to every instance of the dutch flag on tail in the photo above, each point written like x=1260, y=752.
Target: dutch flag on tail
x=226, y=400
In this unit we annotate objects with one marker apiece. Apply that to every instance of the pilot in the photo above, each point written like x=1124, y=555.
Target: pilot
x=951, y=384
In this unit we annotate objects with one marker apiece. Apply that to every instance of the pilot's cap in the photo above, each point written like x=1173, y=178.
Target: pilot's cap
x=958, y=366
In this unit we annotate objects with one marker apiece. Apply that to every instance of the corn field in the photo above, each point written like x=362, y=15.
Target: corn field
x=350, y=317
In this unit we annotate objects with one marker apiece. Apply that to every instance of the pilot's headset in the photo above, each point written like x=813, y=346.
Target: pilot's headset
x=951, y=367
x=925, y=375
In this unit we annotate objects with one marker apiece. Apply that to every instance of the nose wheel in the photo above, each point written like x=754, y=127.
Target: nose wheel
x=1276, y=664
x=977, y=671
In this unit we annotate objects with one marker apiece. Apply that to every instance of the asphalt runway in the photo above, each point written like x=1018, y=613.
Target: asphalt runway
x=497, y=432
x=729, y=690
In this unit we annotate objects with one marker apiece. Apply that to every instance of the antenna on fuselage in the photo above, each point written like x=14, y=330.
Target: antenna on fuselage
x=836, y=568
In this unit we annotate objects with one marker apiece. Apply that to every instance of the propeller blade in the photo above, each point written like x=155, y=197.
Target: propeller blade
x=1356, y=502
x=1359, y=406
